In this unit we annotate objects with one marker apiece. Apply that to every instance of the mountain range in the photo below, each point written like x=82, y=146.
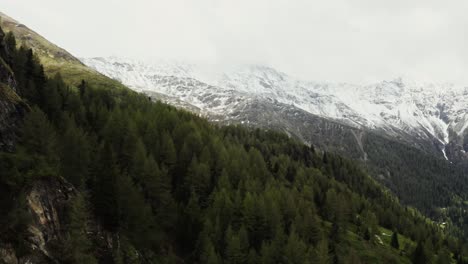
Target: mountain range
x=432, y=117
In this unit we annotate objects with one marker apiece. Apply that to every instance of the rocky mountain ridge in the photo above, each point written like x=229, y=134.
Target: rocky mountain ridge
x=430, y=116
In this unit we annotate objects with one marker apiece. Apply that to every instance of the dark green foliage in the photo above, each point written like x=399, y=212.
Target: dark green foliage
x=104, y=189
x=394, y=242
x=421, y=254
x=39, y=145
x=75, y=154
x=38, y=135
x=443, y=257
x=174, y=188
x=77, y=247
x=422, y=180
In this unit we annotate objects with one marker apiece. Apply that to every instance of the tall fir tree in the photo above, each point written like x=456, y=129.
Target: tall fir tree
x=394, y=242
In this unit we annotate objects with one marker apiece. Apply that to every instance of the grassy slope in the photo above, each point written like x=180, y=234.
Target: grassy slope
x=374, y=252
x=56, y=59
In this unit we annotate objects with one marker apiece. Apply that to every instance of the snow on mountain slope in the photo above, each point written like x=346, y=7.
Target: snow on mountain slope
x=433, y=112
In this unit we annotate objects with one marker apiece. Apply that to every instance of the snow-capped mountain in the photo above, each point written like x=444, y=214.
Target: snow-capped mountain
x=433, y=113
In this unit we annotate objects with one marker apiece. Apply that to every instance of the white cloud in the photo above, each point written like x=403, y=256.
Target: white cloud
x=334, y=40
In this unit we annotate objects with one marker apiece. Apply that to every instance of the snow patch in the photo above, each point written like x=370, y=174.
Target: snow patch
x=445, y=154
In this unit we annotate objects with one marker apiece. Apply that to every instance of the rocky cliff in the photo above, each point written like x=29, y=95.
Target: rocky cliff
x=12, y=107
x=47, y=201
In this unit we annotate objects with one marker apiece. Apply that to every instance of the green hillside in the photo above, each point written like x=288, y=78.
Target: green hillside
x=53, y=58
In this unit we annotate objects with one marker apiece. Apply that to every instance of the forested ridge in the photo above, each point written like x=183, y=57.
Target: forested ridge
x=435, y=186
x=170, y=187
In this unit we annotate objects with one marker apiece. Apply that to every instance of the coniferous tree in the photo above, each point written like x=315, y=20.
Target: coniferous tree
x=209, y=255
x=82, y=88
x=52, y=102
x=10, y=47
x=352, y=258
x=135, y=217
x=443, y=257
x=168, y=151
x=39, y=142
x=421, y=254
x=309, y=227
x=77, y=247
x=75, y=155
x=104, y=189
x=394, y=242
x=234, y=254
x=322, y=253
x=295, y=250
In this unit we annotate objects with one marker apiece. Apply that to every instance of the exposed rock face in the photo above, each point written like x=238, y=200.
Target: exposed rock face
x=11, y=113
x=11, y=106
x=47, y=200
x=7, y=255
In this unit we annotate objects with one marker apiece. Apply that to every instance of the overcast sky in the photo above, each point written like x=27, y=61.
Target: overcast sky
x=330, y=40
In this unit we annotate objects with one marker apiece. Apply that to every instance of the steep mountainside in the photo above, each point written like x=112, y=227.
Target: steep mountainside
x=429, y=116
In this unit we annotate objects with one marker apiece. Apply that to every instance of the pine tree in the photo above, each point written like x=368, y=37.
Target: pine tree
x=257, y=165
x=370, y=225
x=273, y=251
x=157, y=188
x=39, y=142
x=443, y=257
x=253, y=257
x=77, y=247
x=168, y=151
x=421, y=254
x=10, y=44
x=135, y=217
x=394, y=242
x=138, y=162
x=82, y=88
x=336, y=233
x=308, y=226
x=234, y=252
x=190, y=223
x=121, y=134
x=322, y=253
x=74, y=155
x=209, y=255
x=38, y=135
x=53, y=101
x=198, y=180
x=295, y=250
x=104, y=189
x=352, y=258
